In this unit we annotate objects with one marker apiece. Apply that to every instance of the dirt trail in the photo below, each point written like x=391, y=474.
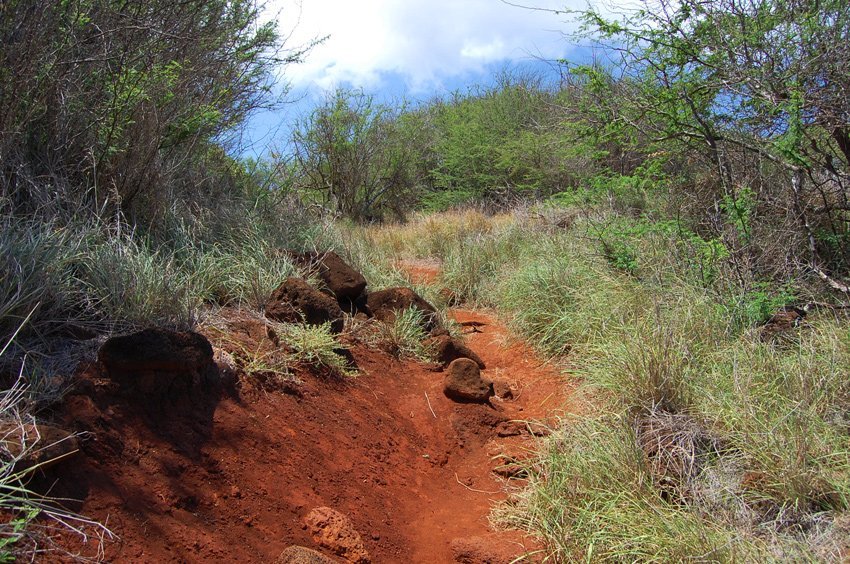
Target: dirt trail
x=231, y=477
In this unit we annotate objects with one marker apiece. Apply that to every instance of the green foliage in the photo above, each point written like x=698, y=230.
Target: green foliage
x=499, y=142
x=356, y=157
x=755, y=306
x=112, y=100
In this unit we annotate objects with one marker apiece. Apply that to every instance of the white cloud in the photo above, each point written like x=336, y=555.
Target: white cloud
x=424, y=41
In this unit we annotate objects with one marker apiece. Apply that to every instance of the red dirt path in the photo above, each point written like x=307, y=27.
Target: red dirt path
x=231, y=477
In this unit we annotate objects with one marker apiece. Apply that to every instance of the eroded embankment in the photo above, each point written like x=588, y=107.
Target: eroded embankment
x=231, y=473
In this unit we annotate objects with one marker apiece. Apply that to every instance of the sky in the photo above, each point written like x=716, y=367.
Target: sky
x=406, y=48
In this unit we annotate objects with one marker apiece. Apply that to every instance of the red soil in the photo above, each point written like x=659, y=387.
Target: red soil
x=230, y=477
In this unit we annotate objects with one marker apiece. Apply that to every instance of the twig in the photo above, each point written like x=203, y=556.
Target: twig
x=429, y=405
x=473, y=489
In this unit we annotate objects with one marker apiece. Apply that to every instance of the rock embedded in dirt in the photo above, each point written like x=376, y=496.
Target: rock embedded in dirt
x=301, y=555
x=295, y=301
x=334, y=531
x=502, y=389
x=782, y=322
x=357, y=307
x=384, y=304
x=447, y=349
x=159, y=361
x=463, y=382
x=36, y=446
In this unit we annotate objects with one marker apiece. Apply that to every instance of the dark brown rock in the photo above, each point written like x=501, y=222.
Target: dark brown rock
x=384, y=304
x=356, y=306
x=36, y=446
x=463, y=382
x=502, y=390
x=447, y=349
x=334, y=531
x=340, y=278
x=295, y=301
x=157, y=350
x=301, y=555
x=159, y=361
x=782, y=322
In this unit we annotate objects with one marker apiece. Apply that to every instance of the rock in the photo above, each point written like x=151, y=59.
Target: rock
x=295, y=301
x=385, y=303
x=447, y=349
x=502, y=389
x=340, y=278
x=782, y=322
x=159, y=361
x=476, y=550
x=301, y=555
x=334, y=531
x=463, y=382
x=36, y=446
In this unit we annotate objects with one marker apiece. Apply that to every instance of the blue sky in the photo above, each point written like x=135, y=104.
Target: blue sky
x=406, y=48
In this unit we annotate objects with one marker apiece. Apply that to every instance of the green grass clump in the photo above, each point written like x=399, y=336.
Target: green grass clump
x=316, y=346
x=404, y=336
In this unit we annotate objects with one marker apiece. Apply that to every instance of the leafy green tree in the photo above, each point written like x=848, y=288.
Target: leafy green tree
x=104, y=102
x=356, y=156
x=756, y=86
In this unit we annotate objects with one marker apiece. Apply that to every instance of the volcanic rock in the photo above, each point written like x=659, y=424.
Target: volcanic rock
x=301, y=555
x=463, y=382
x=334, y=531
x=295, y=301
x=34, y=446
x=384, y=304
x=158, y=361
x=342, y=280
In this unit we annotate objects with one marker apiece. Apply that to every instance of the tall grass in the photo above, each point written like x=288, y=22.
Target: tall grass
x=712, y=445
x=33, y=519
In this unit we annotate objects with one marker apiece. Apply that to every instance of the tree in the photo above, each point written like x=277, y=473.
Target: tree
x=761, y=88
x=106, y=101
x=355, y=155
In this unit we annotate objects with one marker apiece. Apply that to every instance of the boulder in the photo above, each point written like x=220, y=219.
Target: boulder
x=447, y=349
x=385, y=303
x=301, y=555
x=463, y=382
x=334, y=531
x=341, y=279
x=34, y=446
x=295, y=301
x=158, y=361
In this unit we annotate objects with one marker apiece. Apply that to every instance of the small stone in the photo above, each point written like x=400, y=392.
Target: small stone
x=334, y=531
x=302, y=555
x=36, y=446
x=502, y=390
x=463, y=382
